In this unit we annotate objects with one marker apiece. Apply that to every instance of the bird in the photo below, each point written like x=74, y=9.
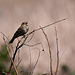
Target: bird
x=21, y=31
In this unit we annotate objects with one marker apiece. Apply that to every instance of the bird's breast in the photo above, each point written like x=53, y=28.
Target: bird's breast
x=26, y=29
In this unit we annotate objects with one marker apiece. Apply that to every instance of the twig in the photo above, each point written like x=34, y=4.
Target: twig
x=57, y=52
x=4, y=72
x=62, y=55
x=30, y=38
x=50, y=24
x=19, y=60
x=19, y=63
x=51, y=73
x=35, y=45
x=13, y=57
x=4, y=35
x=38, y=55
x=35, y=63
x=10, y=56
x=30, y=58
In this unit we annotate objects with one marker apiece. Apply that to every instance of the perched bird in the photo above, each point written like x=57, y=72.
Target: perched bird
x=23, y=29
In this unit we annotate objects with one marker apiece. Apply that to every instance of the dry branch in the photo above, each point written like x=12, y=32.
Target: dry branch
x=10, y=57
x=31, y=73
x=51, y=73
x=57, y=52
x=50, y=24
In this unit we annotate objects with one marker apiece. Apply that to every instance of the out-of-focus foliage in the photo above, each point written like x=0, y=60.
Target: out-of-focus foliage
x=3, y=59
x=3, y=54
x=65, y=70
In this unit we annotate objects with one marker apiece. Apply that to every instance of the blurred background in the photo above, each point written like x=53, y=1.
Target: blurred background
x=41, y=13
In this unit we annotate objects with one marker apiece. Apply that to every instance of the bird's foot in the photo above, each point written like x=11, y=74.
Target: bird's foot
x=19, y=40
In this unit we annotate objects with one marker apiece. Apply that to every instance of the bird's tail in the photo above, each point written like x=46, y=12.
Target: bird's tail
x=11, y=41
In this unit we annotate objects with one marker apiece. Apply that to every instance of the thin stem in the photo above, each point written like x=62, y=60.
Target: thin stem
x=51, y=73
x=57, y=52
x=10, y=57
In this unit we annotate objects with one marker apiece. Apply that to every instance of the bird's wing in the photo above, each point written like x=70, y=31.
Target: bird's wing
x=19, y=29
x=19, y=32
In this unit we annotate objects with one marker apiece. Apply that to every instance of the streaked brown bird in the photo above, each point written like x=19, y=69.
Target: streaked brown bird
x=22, y=30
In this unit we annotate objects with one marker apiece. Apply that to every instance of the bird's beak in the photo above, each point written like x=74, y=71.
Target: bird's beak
x=27, y=23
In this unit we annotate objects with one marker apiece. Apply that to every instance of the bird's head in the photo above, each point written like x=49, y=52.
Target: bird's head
x=24, y=23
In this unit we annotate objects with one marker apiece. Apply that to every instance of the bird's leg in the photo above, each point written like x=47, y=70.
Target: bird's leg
x=18, y=40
